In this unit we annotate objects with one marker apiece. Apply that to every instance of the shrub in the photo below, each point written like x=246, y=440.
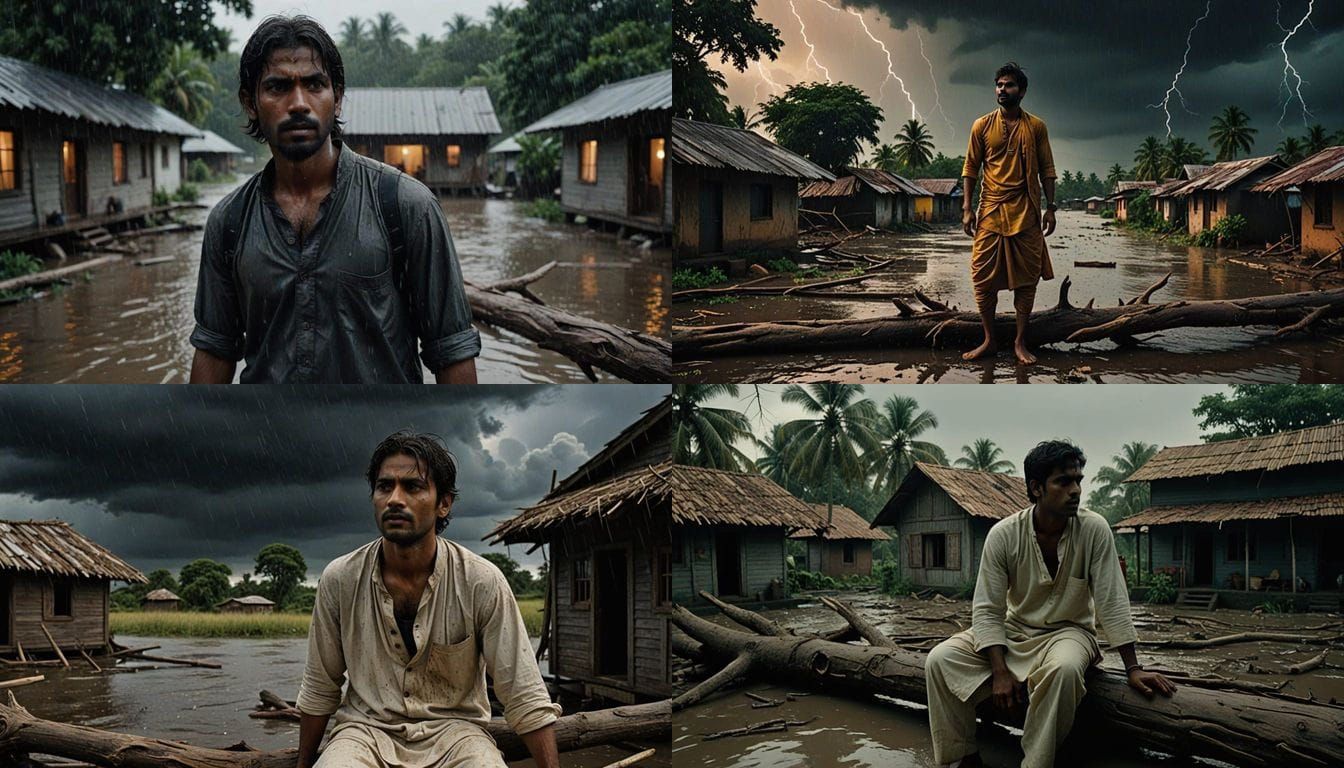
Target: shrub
x=695, y=278
x=967, y=590
x=187, y=193
x=782, y=265
x=162, y=197
x=722, y=300
x=199, y=172
x=1108, y=213
x=889, y=578
x=1228, y=230
x=18, y=264
x=802, y=581
x=1278, y=605
x=1161, y=590
x=544, y=208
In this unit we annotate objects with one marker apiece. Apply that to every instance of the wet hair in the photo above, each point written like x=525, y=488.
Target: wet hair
x=1012, y=70
x=1048, y=456
x=429, y=452
x=281, y=33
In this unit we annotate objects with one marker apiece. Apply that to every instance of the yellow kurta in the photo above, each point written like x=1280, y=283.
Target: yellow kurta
x=1009, y=251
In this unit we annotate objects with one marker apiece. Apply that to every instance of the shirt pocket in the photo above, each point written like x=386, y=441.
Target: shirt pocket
x=367, y=305
x=453, y=672
x=1074, y=604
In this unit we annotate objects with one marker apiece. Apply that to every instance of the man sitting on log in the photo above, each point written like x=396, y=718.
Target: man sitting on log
x=414, y=622
x=1033, y=625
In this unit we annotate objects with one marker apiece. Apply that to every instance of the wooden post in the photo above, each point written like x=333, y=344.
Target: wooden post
x=1150, y=548
x=1292, y=548
x=1246, y=554
x=1138, y=558
x=54, y=646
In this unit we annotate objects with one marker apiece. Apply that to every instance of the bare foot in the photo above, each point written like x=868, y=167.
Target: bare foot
x=984, y=349
x=1024, y=355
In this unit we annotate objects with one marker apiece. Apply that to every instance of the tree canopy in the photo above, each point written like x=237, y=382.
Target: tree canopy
x=284, y=567
x=1254, y=410
x=726, y=30
x=825, y=122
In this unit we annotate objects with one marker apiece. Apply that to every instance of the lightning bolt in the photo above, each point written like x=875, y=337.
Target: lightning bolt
x=811, y=49
x=937, y=99
x=1165, y=104
x=1289, y=68
x=891, y=68
x=773, y=85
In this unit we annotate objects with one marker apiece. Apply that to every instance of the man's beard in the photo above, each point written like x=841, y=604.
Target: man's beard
x=297, y=152
x=406, y=535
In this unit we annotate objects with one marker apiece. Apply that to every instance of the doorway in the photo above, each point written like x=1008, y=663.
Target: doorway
x=648, y=158
x=611, y=614
x=728, y=563
x=711, y=217
x=72, y=176
x=1201, y=559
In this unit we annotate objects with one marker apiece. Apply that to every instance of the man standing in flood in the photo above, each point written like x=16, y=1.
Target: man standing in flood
x=1010, y=154
x=1048, y=575
x=327, y=266
x=413, y=623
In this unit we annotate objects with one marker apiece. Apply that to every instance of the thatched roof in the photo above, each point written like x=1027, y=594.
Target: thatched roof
x=845, y=524
x=634, y=491
x=53, y=547
x=599, y=466
x=161, y=595
x=1314, y=445
x=248, y=600
x=1324, y=166
x=990, y=495
x=1320, y=505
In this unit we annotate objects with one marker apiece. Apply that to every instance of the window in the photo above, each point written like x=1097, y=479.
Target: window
x=1235, y=539
x=762, y=202
x=935, y=550
x=582, y=582
x=454, y=156
x=849, y=553
x=62, y=598
x=1178, y=547
x=1324, y=208
x=9, y=166
x=588, y=161
x=408, y=158
x=119, y=163
x=662, y=578
x=163, y=156
x=144, y=161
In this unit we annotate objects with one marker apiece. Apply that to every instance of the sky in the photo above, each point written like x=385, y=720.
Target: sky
x=163, y=475
x=1094, y=68
x=418, y=16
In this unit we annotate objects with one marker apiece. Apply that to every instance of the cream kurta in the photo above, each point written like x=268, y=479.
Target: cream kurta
x=427, y=710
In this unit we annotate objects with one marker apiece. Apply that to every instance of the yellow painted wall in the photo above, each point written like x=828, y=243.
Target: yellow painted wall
x=739, y=230
x=924, y=208
x=1322, y=239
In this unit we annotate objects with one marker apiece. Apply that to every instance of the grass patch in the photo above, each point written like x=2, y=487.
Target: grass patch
x=532, y=608
x=782, y=265
x=722, y=300
x=193, y=624
x=546, y=209
x=696, y=278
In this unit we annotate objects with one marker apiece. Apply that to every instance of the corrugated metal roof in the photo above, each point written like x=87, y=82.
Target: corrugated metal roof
x=613, y=100
x=1131, y=189
x=1313, y=445
x=718, y=146
x=1321, y=505
x=1221, y=177
x=1194, y=171
x=507, y=145
x=25, y=85
x=990, y=495
x=1326, y=165
x=879, y=181
x=418, y=112
x=845, y=524
x=936, y=187
x=211, y=143
x=52, y=546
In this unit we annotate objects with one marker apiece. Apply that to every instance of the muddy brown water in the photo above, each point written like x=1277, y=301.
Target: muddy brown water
x=129, y=324
x=207, y=707
x=937, y=264
x=886, y=732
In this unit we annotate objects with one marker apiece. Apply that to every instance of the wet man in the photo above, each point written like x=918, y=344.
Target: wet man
x=413, y=623
x=1010, y=153
x=327, y=266
x=1033, y=623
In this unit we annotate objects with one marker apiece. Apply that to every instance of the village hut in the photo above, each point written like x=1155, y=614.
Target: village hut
x=942, y=516
x=947, y=195
x=218, y=153
x=1258, y=513
x=1093, y=204
x=1169, y=205
x=868, y=197
x=842, y=547
x=247, y=604
x=736, y=189
x=1225, y=189
x=75, y=155
x=437, y=135
x=54, y=581
x=613, y=164
x=610, y=594
x=1125, y=192
x=160, y=600
x=1316, y=185
x=503, y=162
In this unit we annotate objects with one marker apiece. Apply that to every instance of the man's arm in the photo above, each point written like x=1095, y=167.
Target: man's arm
x=461, y=372
x=1140, y=679
x=324, y=670
x=311, y=728
x=1110, y=595
x=975, y=155
x=1048, y=218
x=967, y=210
x=218, y=335
x=541, y=745
x=1045, y=159
x=208, y=369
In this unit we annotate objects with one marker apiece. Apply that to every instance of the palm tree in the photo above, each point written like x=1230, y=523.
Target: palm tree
x=775, y=458
x=1179, y=153
x=704, y=436
x=423, y=43
x=742, y=118
x=1291, y=149
x=386, y=34
x=897, y=426
x=1114, y=175
x=352, y=33
x=828, y=448
x=497, y=13
x=1148, y=159
x=1231, y=133
x=983, y=456
x=914, y=144
x=1131, y=498
x=458, y=24
x=185, y=85
x=1316, y=139
x=886, y=158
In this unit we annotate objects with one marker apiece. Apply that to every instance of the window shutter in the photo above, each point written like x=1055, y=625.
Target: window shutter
x=915, y=557
x=954, y=551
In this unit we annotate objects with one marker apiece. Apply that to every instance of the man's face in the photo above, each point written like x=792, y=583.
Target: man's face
x=405, y=501
x=295, y=104
x=1006, y=92
x=1062, y=491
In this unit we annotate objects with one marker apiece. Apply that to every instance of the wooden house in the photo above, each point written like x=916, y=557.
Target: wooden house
x=736, y=190
x=1225, y=189
x=1093, y=204
x=1164, y=195
x=1318, y=184
x=1255, y=513
x=55, y=581
x=437, y=135
x=613, y=164
x=868, y=197
x=947, y=194
x=842, y=547
x=218, y=153
x=74, y=153
x=502, y=162
x=160, y=600
x=942, y=516
x=1125, y=192
x=248, y=604
x=606, y=529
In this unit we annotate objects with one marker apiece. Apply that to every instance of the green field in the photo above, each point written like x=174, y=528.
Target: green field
x=531, y=608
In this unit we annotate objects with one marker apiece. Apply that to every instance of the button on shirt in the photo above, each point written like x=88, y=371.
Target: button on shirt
x=327, y=308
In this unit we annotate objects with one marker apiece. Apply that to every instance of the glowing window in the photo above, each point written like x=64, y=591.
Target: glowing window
x=118, y=163
x=588, y=161
x=9, y=169
x=409, y=158
x=454, y=156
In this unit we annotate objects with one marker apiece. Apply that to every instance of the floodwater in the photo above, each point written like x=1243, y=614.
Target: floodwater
x=130, y=324
x=885, y=732
x=206, y=707
x=937, y=264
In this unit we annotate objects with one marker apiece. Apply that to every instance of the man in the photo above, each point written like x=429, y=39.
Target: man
x=414, y=622
x=298, y=275
x=1033, y=627
x=1009, y=229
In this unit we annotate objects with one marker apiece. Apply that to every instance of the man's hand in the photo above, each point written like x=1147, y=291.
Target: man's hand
x=1149, y=683
x=1048, y=222
x=1008, y=693
x=968, y=222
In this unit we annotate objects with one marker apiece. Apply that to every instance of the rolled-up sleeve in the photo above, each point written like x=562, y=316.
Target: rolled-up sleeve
x=324, y=672
x=975, y=152
x=219, y=321
x=1044, y=155
x=434, y=282
x=1109, y=591
x=989, y=608
x=509, y=659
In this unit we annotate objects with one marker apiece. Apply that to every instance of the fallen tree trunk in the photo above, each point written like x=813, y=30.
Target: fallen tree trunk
x=1062, y=323
x=52, y=275
x=21, y=732
x=1239, y=728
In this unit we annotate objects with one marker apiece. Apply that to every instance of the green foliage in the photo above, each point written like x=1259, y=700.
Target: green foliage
x=162, y=197
x=696, y=278
x=803, y=581
x=544, y=208
x=983, y=456
x=1161, y=590
x=538, y=165
x=1264, y=409
x=825, y=122
x=1114, y=498
x=828, y=447
x=966, y=590
x=900, y=423
x=716, y=300
x=125, y=599
x=1231, y=132
x=300, y=600
x=192, y=624
x=187, y=193
x=1108, y=213
x=890, y=580
x=782, y=265
x=705, y=436
x=1073, y=186
x=1278, y=605
x=1141, y=213
x=1227, y=230
x=914, y=145
x=720, y=31
x=185, y=85
x=284, y=567
x=198, y=172
x=204, y=583
x=18, y=264
x=520, y=579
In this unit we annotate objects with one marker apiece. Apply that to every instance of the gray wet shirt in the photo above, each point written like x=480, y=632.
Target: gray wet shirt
x=327, y=309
